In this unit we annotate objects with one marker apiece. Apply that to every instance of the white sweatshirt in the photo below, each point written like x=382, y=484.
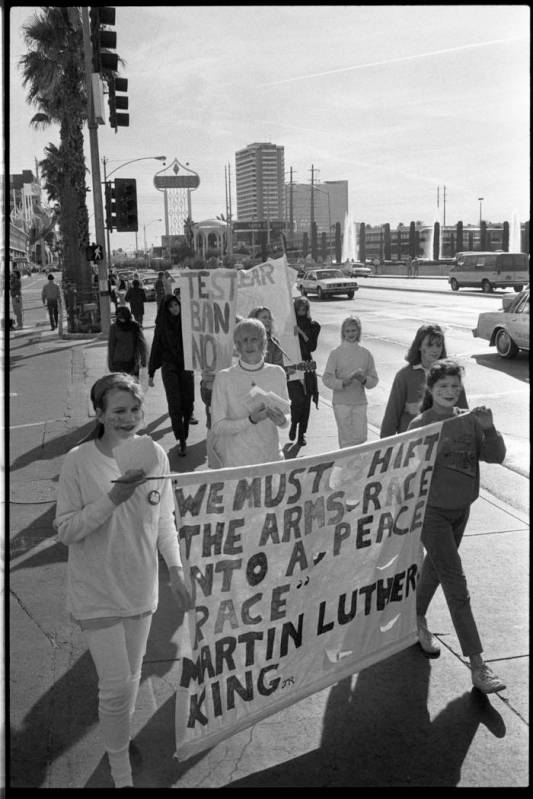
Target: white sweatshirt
x=112, y=559
x=237, y=441
x=342, y=362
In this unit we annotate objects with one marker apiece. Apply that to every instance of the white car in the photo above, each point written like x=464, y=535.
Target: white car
x=357, y=269
x=507, y=329
x=326, y=283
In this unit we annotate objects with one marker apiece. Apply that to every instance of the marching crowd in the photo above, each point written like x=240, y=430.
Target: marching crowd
x=247, y=404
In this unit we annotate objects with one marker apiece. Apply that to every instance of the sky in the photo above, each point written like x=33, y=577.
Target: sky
x=400, y=101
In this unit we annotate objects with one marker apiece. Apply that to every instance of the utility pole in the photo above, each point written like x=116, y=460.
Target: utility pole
x=103, y=288
x=444, y=207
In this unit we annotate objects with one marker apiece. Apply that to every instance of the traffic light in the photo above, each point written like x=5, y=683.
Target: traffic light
x=110, y=206
x=89, y=252
x=117, y=101
x=126, y=204
x=102, y=39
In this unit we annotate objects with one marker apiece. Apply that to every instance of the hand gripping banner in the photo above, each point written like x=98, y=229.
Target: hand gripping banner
x=302, y=572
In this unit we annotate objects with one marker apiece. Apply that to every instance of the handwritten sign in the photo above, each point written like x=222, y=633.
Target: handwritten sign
x=302, y=572
x=208, y=302
x=270, y=284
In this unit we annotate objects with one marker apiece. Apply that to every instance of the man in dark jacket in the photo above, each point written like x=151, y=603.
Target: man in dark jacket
x=136, y=297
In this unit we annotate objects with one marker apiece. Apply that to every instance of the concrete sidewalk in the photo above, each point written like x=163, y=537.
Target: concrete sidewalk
x=406, y=721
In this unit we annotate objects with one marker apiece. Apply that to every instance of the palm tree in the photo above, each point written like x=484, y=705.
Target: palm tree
x=53, y=72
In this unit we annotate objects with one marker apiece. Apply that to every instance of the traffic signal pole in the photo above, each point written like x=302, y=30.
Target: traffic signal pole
x=103, y=287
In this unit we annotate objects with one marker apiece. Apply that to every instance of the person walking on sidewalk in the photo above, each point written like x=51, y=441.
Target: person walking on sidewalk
x=408, y=385
x=15, y=290
x=466, y=439
x=241, y=436
x=136, y=296
x=302, y=392
x=126, y=348
x=114, y=531
x=50, y=298
x=167, y=354
x=349, y=370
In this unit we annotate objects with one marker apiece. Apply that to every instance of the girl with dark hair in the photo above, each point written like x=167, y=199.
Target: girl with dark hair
x=126, y=349
x=301, y=393
x=466, y=439
x=407, y=389
x=114, y=525
x=274, y=353
x=167, y=353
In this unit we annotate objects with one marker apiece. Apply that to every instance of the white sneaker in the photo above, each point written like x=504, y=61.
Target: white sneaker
x=427, y=641
x=486, y=681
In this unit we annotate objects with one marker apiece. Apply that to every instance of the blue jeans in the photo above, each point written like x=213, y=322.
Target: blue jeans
x=441, y=535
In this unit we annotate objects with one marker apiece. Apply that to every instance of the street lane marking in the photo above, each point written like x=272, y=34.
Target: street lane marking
x=31, y=424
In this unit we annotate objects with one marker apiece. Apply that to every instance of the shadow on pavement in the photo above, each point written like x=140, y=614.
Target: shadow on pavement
x=53, y=448
x=515, y=367
x=380, y=734
x=35, y=533
x=66, y=713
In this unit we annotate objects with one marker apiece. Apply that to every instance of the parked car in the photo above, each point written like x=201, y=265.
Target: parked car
x=148, y=284
x=508, y=329
x=357, y=269
x=489, y=270
x=326, y=283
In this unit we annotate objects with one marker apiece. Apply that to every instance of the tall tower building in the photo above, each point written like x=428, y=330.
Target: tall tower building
x=259, y=177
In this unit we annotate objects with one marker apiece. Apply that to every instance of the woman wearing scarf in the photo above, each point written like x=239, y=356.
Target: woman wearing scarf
x=167, y=353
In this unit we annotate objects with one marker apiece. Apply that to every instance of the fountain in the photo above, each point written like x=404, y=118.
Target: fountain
x=515, y=234
x=349, y=240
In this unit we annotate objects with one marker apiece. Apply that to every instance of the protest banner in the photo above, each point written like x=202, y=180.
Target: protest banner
x=270, y=284
x=208, y=302
x=302, y=572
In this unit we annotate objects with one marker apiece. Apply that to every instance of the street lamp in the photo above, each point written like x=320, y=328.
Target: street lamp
x=144, y=229
x=106, y=176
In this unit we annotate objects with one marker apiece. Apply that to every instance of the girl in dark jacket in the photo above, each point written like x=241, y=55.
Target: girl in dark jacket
x=126, y=349
x=167, y=353
x=302, y=394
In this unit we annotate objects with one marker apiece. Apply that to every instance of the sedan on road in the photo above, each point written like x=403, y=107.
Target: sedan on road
x=507, y=329
x=148, y=284
x=357, y=269
x=326, y=283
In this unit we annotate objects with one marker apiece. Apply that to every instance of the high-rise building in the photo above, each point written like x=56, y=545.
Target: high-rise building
x=330, y=200
x=259, y=175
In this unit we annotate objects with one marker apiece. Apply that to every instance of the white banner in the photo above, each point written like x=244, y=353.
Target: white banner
x=302, y=572
x=208, y=303
x=270, y=284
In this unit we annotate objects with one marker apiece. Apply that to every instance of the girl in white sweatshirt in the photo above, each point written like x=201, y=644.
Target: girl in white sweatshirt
x=349, y=370
x=114, y=524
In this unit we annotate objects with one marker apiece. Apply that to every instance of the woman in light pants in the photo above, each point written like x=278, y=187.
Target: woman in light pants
x=114, y=524
x=349, y=371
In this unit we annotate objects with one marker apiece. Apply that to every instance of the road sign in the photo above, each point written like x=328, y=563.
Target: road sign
x=98, y=253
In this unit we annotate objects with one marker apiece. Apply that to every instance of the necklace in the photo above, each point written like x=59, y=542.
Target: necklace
x=255, y=367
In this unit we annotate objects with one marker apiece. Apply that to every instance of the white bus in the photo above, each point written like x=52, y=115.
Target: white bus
x=489, y=270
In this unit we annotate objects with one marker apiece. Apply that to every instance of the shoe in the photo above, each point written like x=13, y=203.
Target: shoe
x=302, y=441
x=292, y=432
x=183, y=449
x=486, y=681
x=426, y=640
x=193, y=419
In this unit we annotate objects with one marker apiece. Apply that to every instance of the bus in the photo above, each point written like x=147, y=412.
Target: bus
x=489, y=271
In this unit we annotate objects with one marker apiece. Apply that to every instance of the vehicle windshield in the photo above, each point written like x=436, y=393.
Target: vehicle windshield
x=329, y=273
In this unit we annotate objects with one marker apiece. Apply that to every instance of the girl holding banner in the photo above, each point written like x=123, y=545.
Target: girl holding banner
x=465, y=440
x=114, y=526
